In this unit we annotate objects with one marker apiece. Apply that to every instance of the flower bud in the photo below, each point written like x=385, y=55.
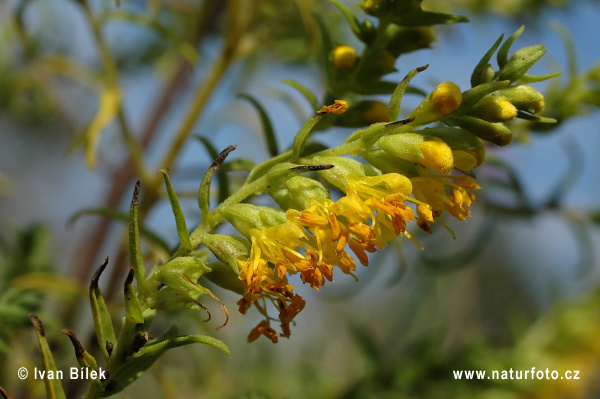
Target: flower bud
x=298, y=192
x=428, y=151
x=497, y=133
x=467, y=150
x=445, y=99
x=494, y=109
x=371, y=7
x=245, y=217
x=173, y=285
x=524, y=97
x=227, y=248
x=343, y=57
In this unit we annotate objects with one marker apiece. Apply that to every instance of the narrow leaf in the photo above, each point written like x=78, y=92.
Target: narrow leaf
x=530, y=117
x=136, y=259
x=352, y=20
x=305, y=91
x=479, y=73
x=147, y=355
x=159, y=347
x=521, y=61
x=102, y=320
x=528, y=79
x=502, y=56
x=266, y=124
x=394, y=105
x=133, y=309
x=262, y=168
x=302, y=136
x=570, y=48
x=54, y=389
x=221, y=172
x=182, y=231
x=204, y=189
x=427, y=18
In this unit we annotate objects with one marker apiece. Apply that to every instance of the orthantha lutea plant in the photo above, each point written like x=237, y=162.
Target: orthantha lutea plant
x=400, y=171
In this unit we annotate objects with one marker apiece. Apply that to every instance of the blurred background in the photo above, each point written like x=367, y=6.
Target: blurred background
x=518, y=288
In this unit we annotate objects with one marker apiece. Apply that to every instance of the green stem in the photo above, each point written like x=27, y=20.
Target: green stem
x=117, y=358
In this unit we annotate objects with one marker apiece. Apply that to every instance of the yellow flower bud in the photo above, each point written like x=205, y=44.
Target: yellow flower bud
x=431, y=152
x=524, y=97
x=445, y=99
x=447, y=96
x=437, y=155
x=370, y=6
x=343, y=57
x=494, y=109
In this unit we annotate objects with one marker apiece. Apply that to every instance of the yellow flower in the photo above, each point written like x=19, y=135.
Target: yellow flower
x=343, y=57
x=432, y=190
x=313, y=241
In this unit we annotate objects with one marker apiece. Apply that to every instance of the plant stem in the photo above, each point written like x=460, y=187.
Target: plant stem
x=117, y=358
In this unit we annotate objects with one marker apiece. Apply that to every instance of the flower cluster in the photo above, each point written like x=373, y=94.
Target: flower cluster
x=417, y=169
x=311, y=242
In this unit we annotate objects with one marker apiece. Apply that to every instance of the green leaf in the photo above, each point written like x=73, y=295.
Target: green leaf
x=426, y=18
x=266, y=124
x=302, y=136
x=136, y=258
x=204, y=189
x=309, y=95
x=350, y=18
x=120, y=216
x=479, y=73
x=262, y=168
x=521, y=61
x=54, y=389
x=502, y=56
x=530, y=117
x=221, y=172
x=148, y=354
x=394, y=104
x=102, y=320
x=528, y=79
x=182, y=230
x=283, y=172
x=133, y=308
x=569, y=46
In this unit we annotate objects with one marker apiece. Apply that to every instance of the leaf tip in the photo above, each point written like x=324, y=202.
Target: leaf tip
x=37, y=323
